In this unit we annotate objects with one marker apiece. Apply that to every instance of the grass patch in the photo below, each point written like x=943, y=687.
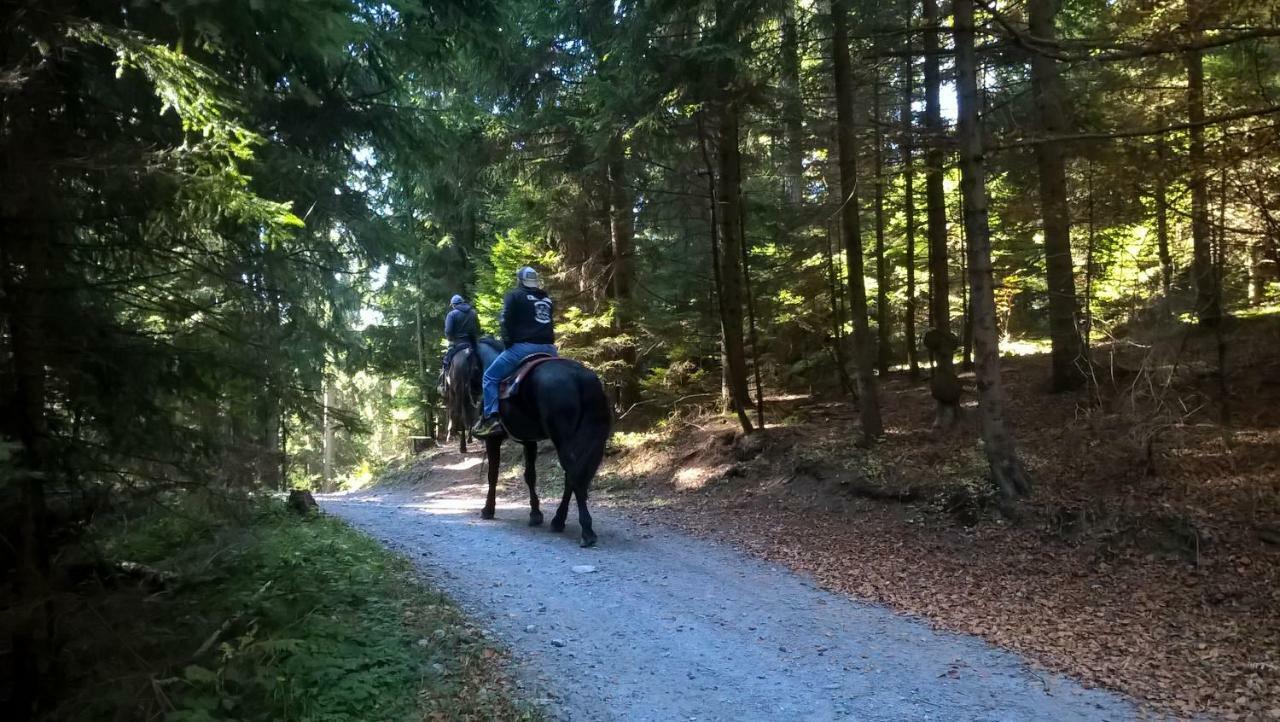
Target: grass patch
x=275, y=618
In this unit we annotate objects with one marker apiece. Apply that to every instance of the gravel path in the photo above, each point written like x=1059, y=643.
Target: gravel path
x=666, y=627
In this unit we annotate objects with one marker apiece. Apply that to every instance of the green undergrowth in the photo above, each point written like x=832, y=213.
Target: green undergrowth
x=274, y=617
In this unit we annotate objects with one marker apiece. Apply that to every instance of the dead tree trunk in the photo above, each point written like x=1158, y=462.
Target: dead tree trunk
x=1007, y=472
x=864, y=364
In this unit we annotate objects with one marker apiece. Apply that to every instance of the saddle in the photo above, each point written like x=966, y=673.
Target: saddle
x=510, y=386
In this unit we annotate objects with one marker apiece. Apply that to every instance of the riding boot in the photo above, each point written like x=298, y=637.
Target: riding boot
x=488, y=427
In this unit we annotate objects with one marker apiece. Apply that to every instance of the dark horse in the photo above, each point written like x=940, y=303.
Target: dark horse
x=564, y=401
x=460, y=397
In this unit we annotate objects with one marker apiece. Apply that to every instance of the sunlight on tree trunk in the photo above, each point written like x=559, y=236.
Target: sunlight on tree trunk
x=864, y=362
x=1007, y=472
x=1067, y=354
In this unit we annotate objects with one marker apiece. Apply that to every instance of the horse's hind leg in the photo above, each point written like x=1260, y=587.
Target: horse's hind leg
x=531, y=479
x=562, y=511
x=584, y=516
x=493, y=447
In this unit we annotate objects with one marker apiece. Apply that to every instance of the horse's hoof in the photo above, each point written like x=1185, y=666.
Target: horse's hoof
x=588, y=541
x=557, y=526
x=486, y=513
x=535, y=518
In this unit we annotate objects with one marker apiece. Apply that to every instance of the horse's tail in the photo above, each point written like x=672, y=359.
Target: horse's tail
x=590, y=432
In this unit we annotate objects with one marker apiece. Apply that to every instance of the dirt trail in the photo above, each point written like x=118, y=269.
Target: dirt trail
x=667, y=627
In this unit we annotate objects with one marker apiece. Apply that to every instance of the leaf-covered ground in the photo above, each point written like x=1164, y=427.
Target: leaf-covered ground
x=1139, y=564
x=272, y=617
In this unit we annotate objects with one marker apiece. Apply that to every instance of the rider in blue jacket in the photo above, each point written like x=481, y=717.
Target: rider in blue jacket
x=527, y=328
x=461, y=329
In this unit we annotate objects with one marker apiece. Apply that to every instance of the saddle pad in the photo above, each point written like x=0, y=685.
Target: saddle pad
x=510, y=385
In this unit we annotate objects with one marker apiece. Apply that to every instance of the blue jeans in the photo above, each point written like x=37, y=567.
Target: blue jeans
x=504, y=366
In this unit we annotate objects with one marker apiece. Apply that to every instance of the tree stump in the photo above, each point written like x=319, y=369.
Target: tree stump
x=302, y=502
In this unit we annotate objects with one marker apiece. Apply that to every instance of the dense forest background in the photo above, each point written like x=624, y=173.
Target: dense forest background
x=231, y=227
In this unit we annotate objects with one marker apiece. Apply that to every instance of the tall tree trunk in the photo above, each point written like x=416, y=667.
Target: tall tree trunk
x=1090, y=244
x=1051, y=114
x=729, y=198
x=328, y=423
x=934, y=162
x=884, y=350
x=966, y=305
x=1007, y=472
x=869, y=405
x=751, y=312
x=792, y=107
x=424, y=382
x=906, y=145
x=735, y=392
x=622, y=237
x=1162, y=220
x=934, y=195
x=1208, y=310
x=25, y=261
x=29, y=268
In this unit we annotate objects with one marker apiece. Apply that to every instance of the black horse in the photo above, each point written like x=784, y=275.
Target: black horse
x=564, y=401
x=460, y=397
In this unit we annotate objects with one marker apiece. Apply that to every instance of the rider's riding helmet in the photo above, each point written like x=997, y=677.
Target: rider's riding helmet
x=528, y=277
x=456, y=300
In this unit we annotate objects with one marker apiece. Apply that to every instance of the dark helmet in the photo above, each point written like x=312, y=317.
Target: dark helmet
x=528, y=277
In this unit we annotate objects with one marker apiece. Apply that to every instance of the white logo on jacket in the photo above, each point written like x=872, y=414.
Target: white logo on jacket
x=541, y=309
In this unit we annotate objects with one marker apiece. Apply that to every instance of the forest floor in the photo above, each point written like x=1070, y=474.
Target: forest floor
x=1146, y=561
x=240, y=610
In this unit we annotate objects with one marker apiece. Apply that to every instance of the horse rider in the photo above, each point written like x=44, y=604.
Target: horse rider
x=461, y=329
x=526, y=328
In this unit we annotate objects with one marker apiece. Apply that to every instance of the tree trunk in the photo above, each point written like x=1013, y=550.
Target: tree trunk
x=884, y=350
x=25, y=280
x=837, y=317
x=869, y=405
x=792, y=107
x=1091, y=242
x=934, y=195
x=751, y=312
x=424, y=382
x=622, y=237
x=736, y=396
x=966, y=305
x=729, y=197
x=1051, y=113
x=1007, y=472
x=906, y=145
x=327, y=421
x=1207, y=308
x=934, y=162
x=1162, y=221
